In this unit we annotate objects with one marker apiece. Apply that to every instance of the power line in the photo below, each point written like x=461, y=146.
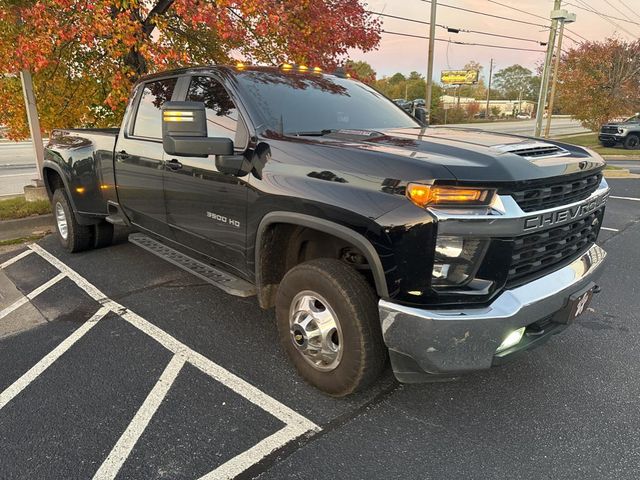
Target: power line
x=605, y=17
x=616, y=9
x=487, y=14
x=540, y=16
x=629, y=8
x=504, y=47
x=590, y=9
x=458, y=30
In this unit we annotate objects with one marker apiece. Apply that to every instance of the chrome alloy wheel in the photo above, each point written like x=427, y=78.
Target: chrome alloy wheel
x=315, y=331
x=61, y=220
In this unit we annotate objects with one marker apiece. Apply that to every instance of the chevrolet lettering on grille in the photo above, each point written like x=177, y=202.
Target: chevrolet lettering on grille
x=558, y=217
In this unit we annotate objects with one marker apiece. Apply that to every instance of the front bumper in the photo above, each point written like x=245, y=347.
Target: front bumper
x=425, y=345
x=611, y=137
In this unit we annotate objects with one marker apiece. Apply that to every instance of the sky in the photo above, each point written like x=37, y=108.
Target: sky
x=404, y=54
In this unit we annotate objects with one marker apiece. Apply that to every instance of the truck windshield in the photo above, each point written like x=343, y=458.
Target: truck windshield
x=317, y=104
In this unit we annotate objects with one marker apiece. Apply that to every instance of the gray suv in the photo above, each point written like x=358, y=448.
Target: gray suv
x=627, y=133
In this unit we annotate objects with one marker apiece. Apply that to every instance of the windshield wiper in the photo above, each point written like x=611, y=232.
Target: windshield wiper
x=317, y=133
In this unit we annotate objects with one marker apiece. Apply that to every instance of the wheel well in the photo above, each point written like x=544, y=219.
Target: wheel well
x=52, y=181
x=283, y=246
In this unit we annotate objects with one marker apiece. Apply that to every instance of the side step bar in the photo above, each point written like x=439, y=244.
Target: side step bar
x=223, y=280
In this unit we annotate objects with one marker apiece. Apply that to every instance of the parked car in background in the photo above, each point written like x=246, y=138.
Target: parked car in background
x=404, y=104
x=523, y=116
x=626, y=133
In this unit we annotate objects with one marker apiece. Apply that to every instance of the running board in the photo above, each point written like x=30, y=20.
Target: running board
x=223, y=280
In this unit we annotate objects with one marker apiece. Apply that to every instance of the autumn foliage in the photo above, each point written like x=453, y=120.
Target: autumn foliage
x=85, y=54
x=600, y=81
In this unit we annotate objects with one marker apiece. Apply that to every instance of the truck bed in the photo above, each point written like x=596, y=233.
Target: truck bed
x=85, y=156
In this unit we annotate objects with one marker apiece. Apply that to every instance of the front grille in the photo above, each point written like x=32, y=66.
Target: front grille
x=554, y=194
x=537, y=253
x=609, y=129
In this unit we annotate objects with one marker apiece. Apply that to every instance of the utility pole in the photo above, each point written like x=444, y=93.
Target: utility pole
x=432, y=44
x=568, y=18
x=34, y=122
x=489, y=88
x=544, y=84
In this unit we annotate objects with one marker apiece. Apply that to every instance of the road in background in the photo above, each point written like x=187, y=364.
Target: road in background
x=632, y=165
x=17, y=167
x=559, y=126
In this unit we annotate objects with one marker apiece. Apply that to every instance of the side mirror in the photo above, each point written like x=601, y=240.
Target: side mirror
x=421, y=115
x=184, y=131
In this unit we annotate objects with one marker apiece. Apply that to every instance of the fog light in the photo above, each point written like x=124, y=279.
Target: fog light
x=512, y=339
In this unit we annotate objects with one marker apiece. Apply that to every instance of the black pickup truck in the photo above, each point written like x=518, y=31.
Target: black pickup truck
x=372, y=235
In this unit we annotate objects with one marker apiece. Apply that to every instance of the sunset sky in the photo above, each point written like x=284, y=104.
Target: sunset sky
x=405, y=54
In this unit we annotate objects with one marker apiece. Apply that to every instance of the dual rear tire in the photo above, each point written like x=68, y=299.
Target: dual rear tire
x=73, y=236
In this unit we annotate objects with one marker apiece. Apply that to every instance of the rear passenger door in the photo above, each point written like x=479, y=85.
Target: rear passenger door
x=205, y=208
x=139, y=158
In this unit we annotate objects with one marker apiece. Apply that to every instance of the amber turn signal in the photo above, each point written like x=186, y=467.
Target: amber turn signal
x=426, y=195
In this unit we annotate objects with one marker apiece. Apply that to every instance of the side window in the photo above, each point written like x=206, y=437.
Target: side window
x=148, y=122
x=222, y=114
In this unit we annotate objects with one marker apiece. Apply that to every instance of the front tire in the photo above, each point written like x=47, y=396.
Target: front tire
x=72, y=236
x=328, y=324
x=632, y=142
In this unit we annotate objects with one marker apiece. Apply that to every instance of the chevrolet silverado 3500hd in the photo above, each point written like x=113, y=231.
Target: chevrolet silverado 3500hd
x=372, y=235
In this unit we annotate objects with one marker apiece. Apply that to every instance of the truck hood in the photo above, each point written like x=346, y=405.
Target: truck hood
x=472, y=154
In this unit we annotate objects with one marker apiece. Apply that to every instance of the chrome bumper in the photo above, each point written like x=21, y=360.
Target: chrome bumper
x=426, y=343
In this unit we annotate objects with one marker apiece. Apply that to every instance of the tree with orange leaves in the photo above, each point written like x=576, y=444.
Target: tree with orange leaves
x=599, y=81
x=86, y=54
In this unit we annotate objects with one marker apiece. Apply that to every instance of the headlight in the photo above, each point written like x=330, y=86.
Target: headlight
x=442, y=195
x=456, y=260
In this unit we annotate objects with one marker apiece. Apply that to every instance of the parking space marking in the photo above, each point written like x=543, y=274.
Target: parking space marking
x=609, y=229
x=122, y=449
x=13, y=260
x=296, y=424
x=30, y=296
x=625, y=198
x=16, y=387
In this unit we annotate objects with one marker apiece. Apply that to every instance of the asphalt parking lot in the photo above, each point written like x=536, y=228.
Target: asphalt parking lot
x=116, y=364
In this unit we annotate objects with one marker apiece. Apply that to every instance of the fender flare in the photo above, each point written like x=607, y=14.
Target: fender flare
x=331, y=228
x=48, y=164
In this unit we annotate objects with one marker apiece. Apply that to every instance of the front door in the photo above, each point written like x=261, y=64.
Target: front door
x=207, y=209
x=139, y=158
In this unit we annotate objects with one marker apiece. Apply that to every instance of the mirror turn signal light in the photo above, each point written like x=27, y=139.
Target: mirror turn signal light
x=427, y=195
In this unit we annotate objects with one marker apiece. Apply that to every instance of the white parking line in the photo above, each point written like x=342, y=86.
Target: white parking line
x=297, y=424
x=626, y=198
x=30, y=296
x=609, y=229
x=122, y=449
x=16, y=387
x=13, y=260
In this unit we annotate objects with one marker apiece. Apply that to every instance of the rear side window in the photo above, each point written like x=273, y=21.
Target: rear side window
x=222, y=114
x=148, y=122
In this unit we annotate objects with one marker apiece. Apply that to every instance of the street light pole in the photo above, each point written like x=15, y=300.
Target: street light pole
x=34, y=122
x=432, y=44
x=544, y=84
x=571, y=17
x=489, y=89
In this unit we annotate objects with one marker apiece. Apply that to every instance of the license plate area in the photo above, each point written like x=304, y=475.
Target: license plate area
x=577, y=305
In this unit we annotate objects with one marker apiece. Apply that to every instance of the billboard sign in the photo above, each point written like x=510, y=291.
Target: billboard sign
x=459, y=77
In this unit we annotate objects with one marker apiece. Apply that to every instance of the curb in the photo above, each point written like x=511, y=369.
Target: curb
x=24, y=227
x=621, y=157
x=620, y=173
